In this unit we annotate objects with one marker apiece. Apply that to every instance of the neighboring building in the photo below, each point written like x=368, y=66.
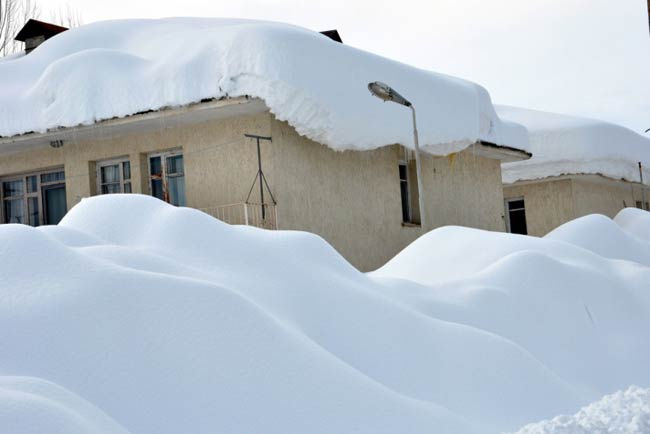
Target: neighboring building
x=205, y=155
x=35, y=32
x=579, y=167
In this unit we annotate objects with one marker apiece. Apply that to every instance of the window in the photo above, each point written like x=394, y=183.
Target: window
x=34, y=199
x=114, y=177
x=167, y=177
x=408, y=189
x=647, y=205
x=404, y=191
x=516, y=212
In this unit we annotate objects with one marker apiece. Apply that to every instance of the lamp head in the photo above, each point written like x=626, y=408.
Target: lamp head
x=387, y=93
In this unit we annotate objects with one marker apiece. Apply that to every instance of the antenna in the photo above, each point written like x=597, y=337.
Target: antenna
x=260, y=174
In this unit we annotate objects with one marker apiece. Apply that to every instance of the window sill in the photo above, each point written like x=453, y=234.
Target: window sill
x=411, y=225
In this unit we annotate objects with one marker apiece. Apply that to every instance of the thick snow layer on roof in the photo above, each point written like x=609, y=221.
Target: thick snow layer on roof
x=163, y=320
x=564, y=145
x=623, y=412
x=118, y=68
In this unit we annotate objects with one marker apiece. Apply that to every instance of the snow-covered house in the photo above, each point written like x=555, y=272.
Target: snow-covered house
x=579, y=166
x=256, y=123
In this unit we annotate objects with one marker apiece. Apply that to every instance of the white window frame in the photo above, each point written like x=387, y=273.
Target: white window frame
x=119, y=161
x=163, y=162
x=26, y=195
x=506, y=206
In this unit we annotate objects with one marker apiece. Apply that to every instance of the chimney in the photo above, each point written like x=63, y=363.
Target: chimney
x=334, y=34
x=35, y=32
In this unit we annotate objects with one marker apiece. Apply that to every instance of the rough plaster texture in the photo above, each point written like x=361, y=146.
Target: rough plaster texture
x=350, y=198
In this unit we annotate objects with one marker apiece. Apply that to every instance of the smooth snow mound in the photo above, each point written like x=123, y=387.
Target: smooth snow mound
x=634, y=221
x=563, y=145
x=35, y=406
x=624, y=412
x=118, y=68
x=163, y=320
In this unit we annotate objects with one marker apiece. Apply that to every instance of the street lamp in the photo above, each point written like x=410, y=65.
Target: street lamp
x=387, y=93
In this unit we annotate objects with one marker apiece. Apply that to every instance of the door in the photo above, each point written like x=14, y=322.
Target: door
x=54, y=203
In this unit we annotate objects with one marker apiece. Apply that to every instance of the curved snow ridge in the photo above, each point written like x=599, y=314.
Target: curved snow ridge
x=147, y=309
x=605, y=237
x=31, y=405
x=569, y=145
x=635, y=221
x=623, y=412
x=118, y=68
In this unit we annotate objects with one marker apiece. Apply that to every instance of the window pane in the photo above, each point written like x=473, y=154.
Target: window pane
x=518, y=222
x=32, y=210
x=516, y=204
x=14, y=211
x=12, y=188
x=53, y=177
x=126, y=167
x=177, y=190
x=157, y=189
x=155, y=166
x=111, y=188
x=175, y=165
x=127, y=187
x=55, y=204
x=404, y=190
x=110, y=174
x=32, y=184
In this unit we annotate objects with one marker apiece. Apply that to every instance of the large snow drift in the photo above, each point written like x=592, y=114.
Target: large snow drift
x=564, y=145
x=118, y=68
x=135, y=314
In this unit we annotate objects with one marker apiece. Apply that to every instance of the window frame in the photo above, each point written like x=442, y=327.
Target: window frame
x=112, y=162
x=164, y=176
x=507, y=212
x=29, y=195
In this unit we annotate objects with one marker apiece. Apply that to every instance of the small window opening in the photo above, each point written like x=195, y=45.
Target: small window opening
x=516, y=211
x=408, y=184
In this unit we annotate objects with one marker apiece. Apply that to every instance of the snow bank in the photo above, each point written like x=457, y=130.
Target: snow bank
x=563, y=145
x=624, y=412
x=167, y=320
x=118, y=68
x=634, y=221
x=34, y=406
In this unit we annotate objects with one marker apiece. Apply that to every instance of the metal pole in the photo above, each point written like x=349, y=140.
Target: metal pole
x=418, y=172
x=642, y=189
x=259, y=174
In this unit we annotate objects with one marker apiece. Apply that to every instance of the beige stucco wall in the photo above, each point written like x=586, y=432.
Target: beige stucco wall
x=597, y=194
x=552, y=202
x=352, y=198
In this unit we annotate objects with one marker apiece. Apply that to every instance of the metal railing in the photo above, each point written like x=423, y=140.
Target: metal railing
x=250, y=214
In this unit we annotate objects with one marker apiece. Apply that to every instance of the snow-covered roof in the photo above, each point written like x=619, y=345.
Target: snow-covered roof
x=118, y=68
x=563, y=145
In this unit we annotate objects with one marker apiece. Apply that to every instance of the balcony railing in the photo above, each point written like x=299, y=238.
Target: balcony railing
x=250, y=214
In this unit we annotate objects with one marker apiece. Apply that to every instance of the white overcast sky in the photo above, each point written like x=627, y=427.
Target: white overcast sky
x=587, y=57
